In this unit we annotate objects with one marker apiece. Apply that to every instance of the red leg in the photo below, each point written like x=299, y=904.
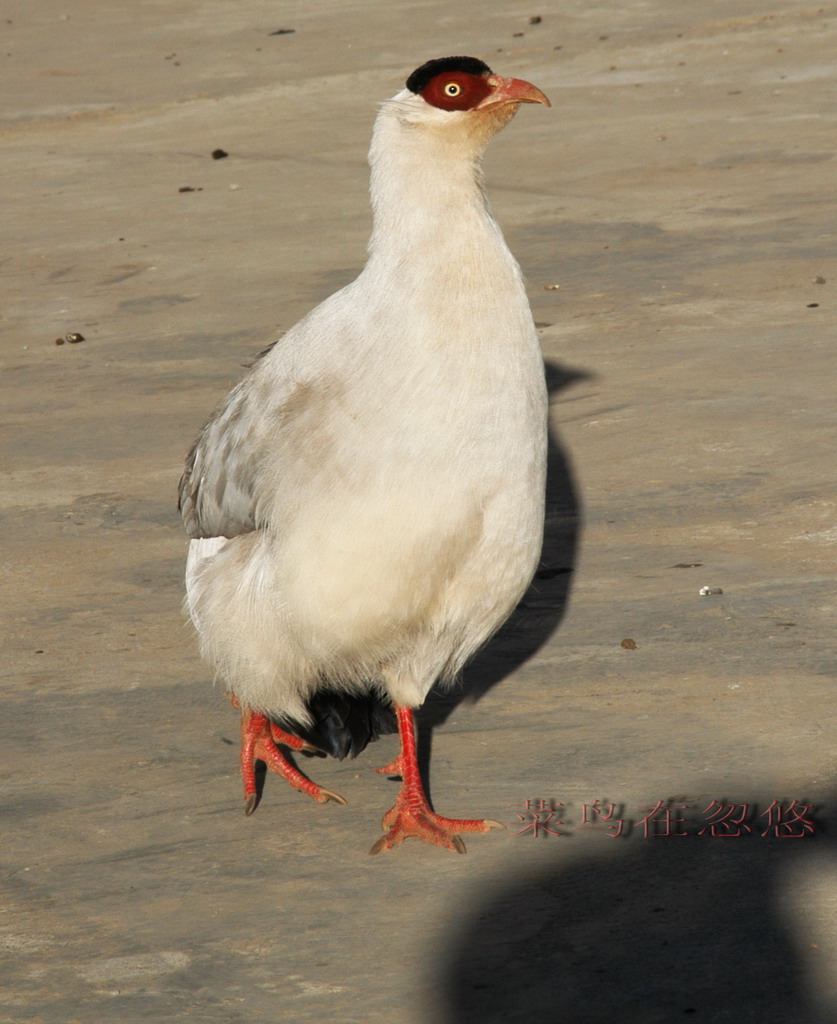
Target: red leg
x=287, y=739
x=412, y=815
x=259, y=737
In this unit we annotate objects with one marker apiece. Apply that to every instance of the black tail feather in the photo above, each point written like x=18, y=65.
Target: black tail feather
x=344, y=723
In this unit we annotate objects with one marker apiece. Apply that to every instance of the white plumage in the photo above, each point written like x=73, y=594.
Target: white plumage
x=367, y=504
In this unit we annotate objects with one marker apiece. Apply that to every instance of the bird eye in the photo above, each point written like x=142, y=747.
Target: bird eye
x=453, y=89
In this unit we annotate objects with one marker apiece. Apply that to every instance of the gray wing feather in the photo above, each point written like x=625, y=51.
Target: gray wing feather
x=235, y=459
x=219, y=487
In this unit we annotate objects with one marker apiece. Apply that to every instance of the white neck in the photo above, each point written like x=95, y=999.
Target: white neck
x=427, y=194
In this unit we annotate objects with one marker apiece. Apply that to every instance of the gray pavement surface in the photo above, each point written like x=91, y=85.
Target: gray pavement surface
x=675, y=216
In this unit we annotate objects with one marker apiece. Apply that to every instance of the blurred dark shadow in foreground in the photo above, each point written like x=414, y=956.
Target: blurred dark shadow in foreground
x=646, y=931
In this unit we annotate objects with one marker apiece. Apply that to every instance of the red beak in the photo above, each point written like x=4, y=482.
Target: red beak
x=511, y=90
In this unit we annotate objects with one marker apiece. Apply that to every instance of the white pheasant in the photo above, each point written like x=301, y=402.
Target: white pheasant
x=366, y=506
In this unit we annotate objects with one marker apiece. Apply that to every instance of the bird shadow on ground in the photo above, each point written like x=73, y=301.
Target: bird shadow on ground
x=698, y=927
x=539, y=613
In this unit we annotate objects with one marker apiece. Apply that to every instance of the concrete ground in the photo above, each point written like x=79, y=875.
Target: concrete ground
x=674, y=214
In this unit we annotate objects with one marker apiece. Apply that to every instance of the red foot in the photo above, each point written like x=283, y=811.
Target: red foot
x=412, y=814
x=259, y=737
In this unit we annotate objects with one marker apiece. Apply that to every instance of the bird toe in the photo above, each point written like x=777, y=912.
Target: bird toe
x=327, y=794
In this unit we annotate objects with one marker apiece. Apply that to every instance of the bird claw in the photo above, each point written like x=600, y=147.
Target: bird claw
x=258, y=742
x=318, y=793
x=411, y=815
x=327, y=794
x=309, y=748
x=401, y=823
x=393, y=768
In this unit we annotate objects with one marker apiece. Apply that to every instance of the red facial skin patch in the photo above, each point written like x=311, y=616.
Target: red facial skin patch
x=456, y=90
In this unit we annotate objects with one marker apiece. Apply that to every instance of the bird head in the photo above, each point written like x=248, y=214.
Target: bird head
x=462, y=95
x=427, y=146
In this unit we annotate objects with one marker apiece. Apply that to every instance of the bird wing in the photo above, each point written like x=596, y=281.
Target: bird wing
x=216, y=489
x=221, y=486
